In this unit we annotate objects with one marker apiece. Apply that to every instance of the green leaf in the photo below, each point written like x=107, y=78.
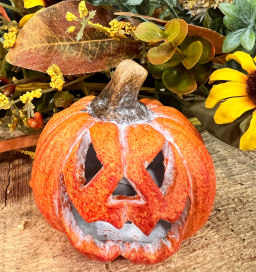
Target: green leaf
x=63, y=99
x=160, y=54
x=166, y=97
x=192, y=54
x=244, y=125
x=244, y=7
x=173, y=61
x=144, y=7
x=149, y=32
x=232, y=41
x=227, y=133
x=208, y=48
x=178, y=80
x=172, y=30
x=253, y=4
x=182, y=32
x=233, y=23
x=231, y=10
x=33, y=73
x=45, y=104
x=115, y=2
x=201, y=73
x=153, y=6
x=2, y=51
x=248, y=39
x=132, y=2
x=157, y=70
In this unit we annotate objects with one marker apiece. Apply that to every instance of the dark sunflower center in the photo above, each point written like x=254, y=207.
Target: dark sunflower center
x=251, y=86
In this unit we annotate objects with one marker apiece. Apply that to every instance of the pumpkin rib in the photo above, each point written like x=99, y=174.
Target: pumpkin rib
x=44, y=185
x=175, y=115
x=199, y=164
x=85, y=101
x=179, y=189
x=63, y=115
x=151, y=103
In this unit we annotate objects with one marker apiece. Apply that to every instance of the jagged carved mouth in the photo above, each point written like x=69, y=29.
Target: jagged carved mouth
x=104, y=231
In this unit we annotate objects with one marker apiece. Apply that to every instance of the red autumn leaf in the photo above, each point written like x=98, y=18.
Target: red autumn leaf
x=44, y=41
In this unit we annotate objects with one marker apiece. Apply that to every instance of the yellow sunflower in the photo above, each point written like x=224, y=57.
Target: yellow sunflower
x=239, y=95
x=30, y=4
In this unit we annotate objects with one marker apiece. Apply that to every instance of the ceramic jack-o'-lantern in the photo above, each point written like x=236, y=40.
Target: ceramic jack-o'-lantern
x=123, y=177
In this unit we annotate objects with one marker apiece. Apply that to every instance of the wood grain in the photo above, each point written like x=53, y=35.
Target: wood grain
x=15, y=170
x=19, y=142
x=226, y=243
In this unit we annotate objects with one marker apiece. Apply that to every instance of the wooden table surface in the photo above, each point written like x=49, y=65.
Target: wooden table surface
x=226, y=243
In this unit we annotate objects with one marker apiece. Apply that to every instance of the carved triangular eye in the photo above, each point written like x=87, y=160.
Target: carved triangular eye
x=124, y=188
x=156, y=169
x=92, y=164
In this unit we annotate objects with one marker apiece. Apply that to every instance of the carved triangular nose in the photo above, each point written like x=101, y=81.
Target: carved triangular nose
x=124, y=188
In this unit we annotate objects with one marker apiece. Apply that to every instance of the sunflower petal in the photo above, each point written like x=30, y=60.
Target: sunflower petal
x=233, y=108
x=244, y=59
x=223, y=91
x=228, y=74
x=248, y=140
x=24, y=19
x=33, y=3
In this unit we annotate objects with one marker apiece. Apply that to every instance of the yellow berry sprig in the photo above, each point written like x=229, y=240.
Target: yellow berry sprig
x=4, y=101
x=71, y=17
x=117, y=29
x=83, y=12
x=26, y=152
x=57, y=80
x=7, y=104
x=10, y=37
x=28, y=96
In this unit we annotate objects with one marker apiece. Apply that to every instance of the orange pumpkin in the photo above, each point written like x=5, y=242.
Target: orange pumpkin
x=127, y=135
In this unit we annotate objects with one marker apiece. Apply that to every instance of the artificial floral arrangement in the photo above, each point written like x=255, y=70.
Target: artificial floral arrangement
x=52, y=55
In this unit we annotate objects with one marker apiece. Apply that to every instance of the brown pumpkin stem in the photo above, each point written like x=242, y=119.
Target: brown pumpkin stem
x=118, y=100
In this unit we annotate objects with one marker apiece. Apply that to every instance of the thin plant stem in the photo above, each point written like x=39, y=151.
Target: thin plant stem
x=170, y=7
x=67, y=84
x=12, y=8
x=47, y=90
x=24, y=81
x=2, y=18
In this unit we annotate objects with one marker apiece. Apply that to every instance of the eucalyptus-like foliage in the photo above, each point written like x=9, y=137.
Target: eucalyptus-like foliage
x=240, y=20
